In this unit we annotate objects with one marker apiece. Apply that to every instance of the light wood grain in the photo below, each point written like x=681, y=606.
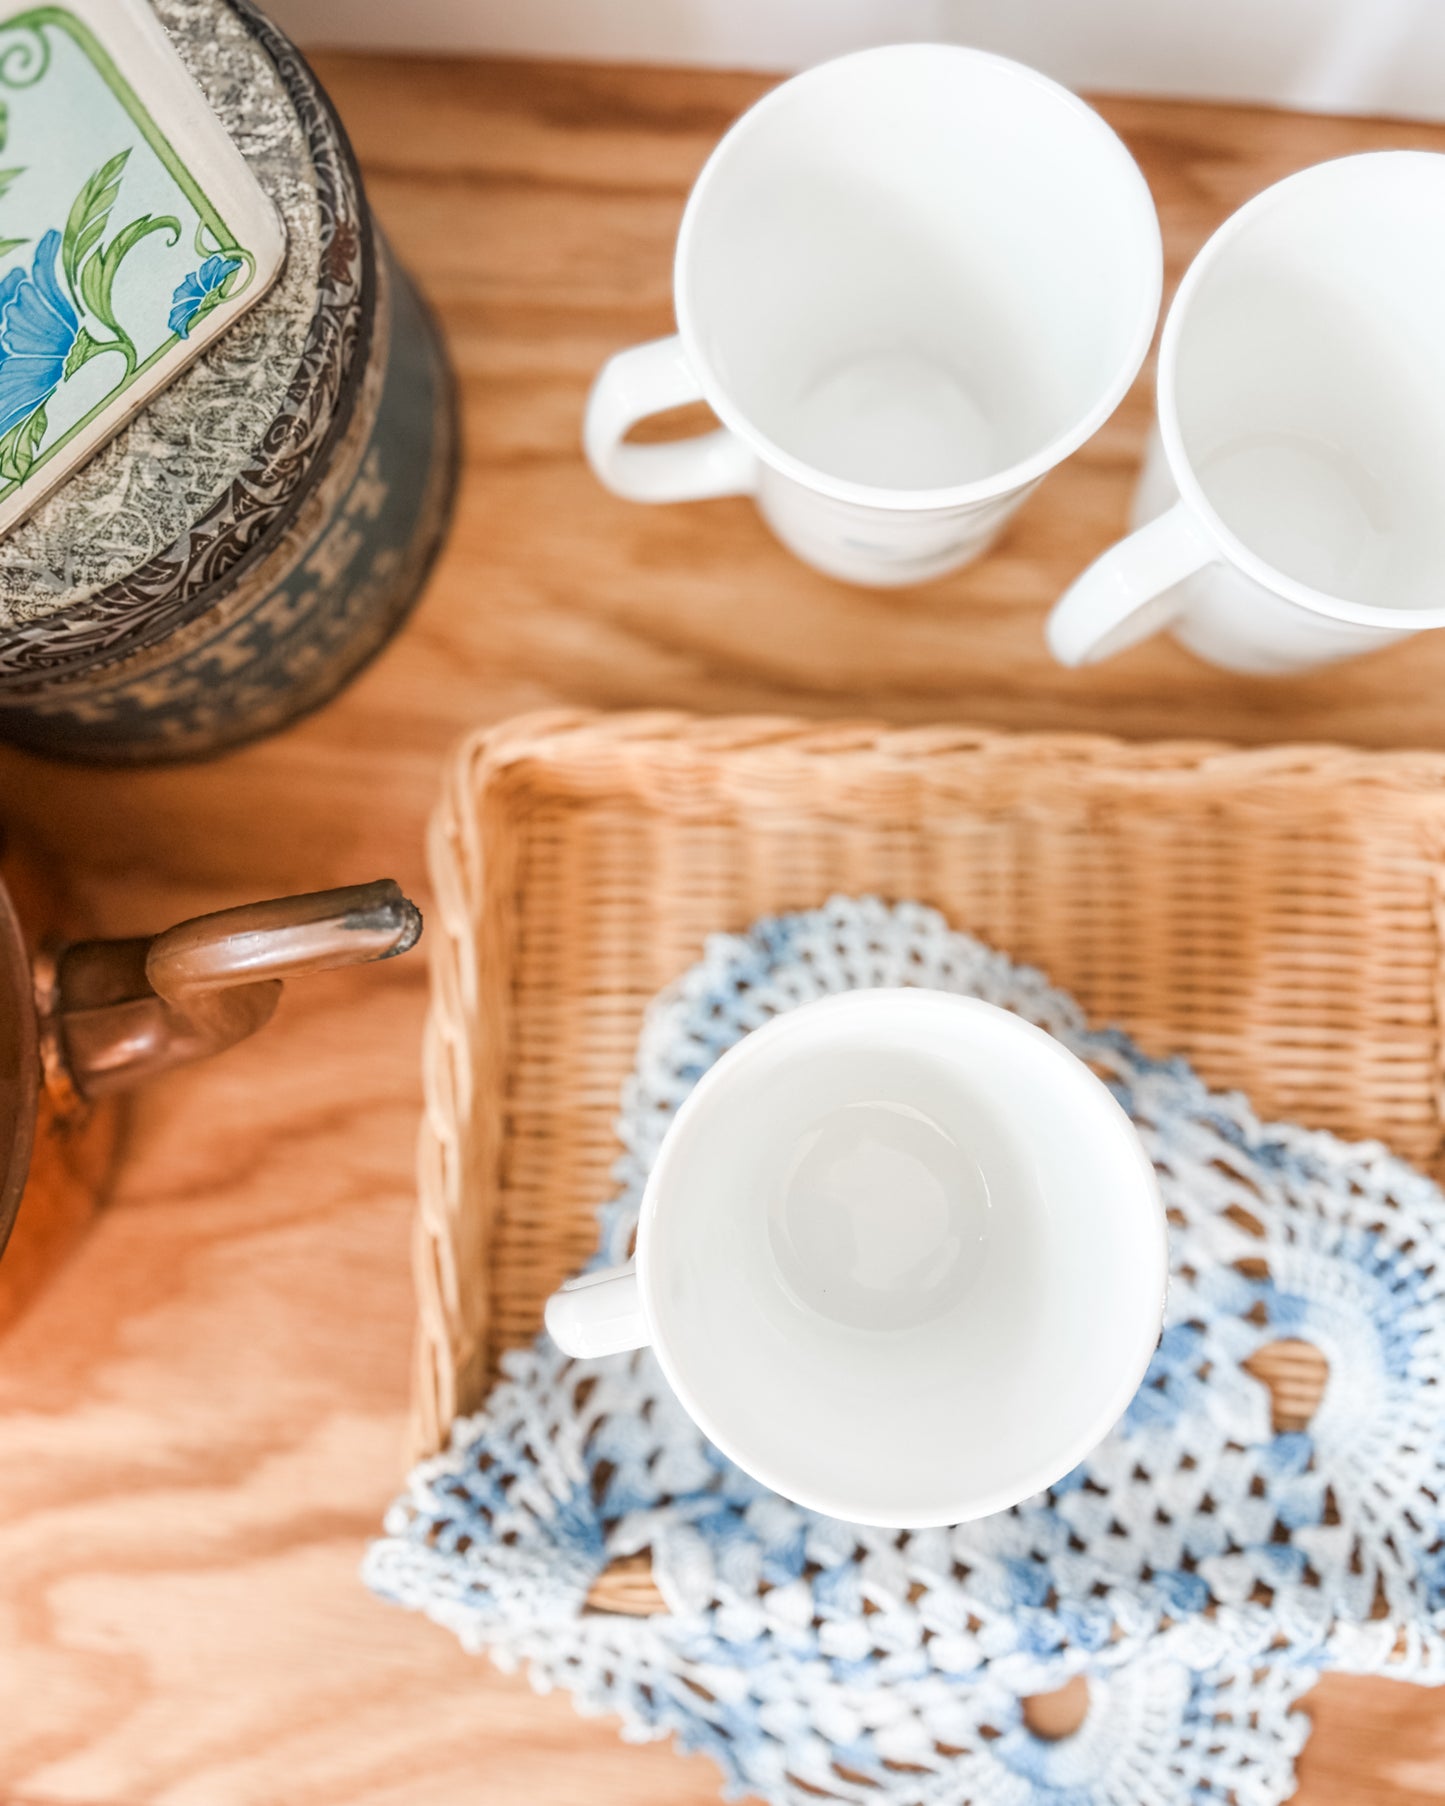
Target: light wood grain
x=202, y=1418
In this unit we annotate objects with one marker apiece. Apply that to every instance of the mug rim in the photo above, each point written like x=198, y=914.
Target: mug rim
x=1153, y=1259
x=1022, y=472
x=1231, y=548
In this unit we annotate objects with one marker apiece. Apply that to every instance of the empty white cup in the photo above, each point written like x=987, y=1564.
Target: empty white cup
x=901, y=1255
x=908, y=282
x=1293, y=488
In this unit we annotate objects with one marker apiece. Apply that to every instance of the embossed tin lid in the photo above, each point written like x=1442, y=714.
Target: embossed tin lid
x=178, y=505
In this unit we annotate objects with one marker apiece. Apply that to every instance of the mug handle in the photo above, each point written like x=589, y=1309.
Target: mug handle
x=646, y=380
x=1128, y=593
x=598, y=1314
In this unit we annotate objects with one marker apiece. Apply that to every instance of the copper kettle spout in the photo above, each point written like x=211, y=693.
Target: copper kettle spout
x=112, y=1013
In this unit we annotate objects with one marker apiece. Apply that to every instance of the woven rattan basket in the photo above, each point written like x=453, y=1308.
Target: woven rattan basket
x=1274, y=915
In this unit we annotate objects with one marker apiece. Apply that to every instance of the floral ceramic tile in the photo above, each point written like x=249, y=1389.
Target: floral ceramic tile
x=131, y=232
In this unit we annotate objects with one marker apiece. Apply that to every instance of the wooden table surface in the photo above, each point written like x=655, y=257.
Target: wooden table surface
x=201, y=1419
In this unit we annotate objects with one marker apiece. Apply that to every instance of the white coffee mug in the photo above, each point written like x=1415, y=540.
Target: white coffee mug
x=901, y=1256
x=908, y=282
x=1293, y=490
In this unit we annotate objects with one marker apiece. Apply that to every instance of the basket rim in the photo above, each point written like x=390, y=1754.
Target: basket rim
x=688, y=765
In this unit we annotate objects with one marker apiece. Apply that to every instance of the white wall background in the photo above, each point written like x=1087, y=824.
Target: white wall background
x=1354, y=56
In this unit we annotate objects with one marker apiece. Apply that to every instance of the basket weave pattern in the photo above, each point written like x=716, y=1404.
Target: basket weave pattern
x=1274, y=915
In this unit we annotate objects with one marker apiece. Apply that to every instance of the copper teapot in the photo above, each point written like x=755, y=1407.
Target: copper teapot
x=95, y=1017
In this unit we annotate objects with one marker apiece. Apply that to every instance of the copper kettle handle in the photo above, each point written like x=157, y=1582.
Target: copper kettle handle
x=113, y=1013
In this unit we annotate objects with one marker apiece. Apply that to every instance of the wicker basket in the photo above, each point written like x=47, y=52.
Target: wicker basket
x=1274, y=915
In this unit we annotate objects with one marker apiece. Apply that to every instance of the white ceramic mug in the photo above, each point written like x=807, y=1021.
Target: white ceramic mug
x=901, y=1255
x=908, y=282
x=1293, y=490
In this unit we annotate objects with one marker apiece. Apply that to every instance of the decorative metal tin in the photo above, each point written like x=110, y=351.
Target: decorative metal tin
x=273, y=595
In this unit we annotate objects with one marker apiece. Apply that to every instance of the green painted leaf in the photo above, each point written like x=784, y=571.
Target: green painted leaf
x=87, y=239
x=90, y=286
x=84, y=349
x=88, y=216
x=8, y=178
x=7, y=245
x=4, y=124
x=97, y=279
x=20, y=445
x=34, y=432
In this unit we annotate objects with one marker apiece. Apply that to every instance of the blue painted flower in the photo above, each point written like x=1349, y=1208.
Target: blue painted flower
x=38, y=328
x=198, y=293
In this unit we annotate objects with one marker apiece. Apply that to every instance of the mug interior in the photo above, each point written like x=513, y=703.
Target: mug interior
x=1303, y=380
x=918, y=269
x=903, y=1257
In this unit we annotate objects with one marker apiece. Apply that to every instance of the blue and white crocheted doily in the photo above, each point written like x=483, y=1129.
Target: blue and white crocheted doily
x=1199, y=1567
